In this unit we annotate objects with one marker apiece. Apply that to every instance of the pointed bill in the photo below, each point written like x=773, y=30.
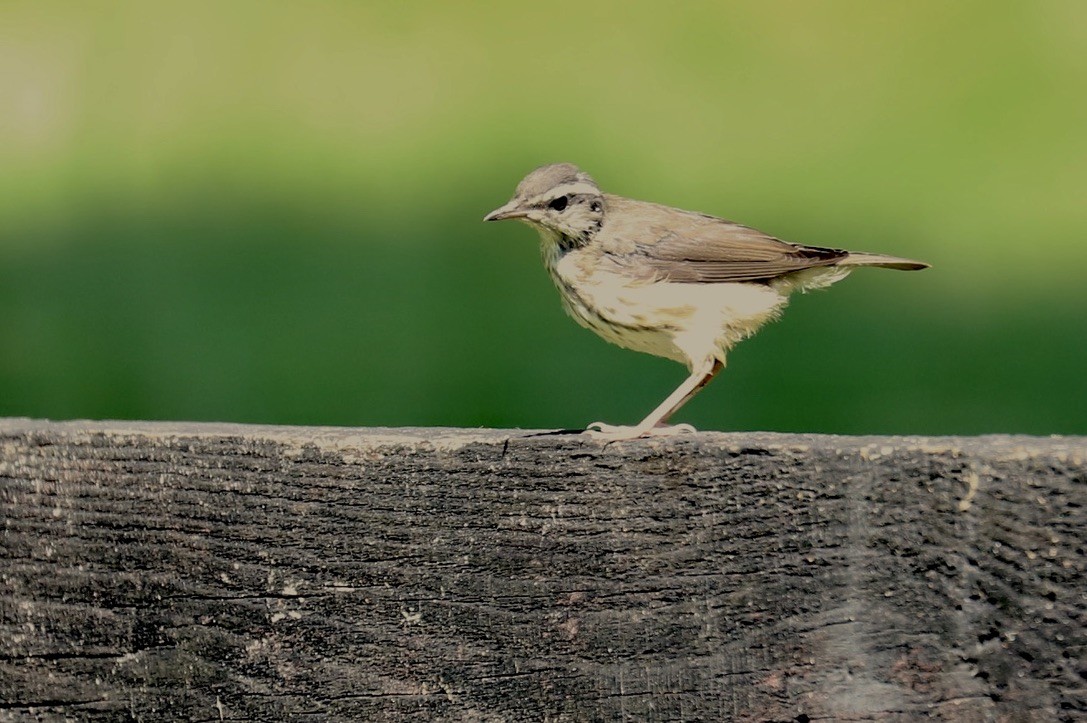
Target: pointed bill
x=510, y=210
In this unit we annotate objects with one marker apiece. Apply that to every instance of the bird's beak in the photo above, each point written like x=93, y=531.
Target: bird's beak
x=510, y=210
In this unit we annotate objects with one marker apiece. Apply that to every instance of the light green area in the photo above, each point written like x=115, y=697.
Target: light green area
x=270, y=212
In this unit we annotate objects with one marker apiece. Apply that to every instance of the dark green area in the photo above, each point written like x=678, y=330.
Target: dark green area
x=248, y=310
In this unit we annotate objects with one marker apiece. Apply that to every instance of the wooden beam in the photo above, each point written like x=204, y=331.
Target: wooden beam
x=211, y=572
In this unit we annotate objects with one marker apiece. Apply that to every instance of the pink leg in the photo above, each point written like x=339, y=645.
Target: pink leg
x=654, y=423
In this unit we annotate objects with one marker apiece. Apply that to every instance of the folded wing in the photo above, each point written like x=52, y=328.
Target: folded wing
x=691, y=247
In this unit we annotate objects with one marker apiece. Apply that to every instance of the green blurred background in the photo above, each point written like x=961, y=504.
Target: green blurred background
x=270, y=212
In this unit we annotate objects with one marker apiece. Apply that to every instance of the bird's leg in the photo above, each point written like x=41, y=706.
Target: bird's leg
x=683, y=394
x=654, y=423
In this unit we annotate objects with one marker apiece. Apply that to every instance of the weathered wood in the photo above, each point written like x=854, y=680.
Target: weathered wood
x=208, y=572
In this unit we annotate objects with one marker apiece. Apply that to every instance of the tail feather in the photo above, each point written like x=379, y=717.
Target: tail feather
x=886, y=262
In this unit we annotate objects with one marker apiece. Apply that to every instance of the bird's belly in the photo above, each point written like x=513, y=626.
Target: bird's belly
x=637, y=334
x=680, y=321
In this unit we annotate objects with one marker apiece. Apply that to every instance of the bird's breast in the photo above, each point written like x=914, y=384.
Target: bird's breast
x=600, y=297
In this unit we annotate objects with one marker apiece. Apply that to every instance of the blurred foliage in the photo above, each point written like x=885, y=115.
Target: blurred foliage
x=270, y=212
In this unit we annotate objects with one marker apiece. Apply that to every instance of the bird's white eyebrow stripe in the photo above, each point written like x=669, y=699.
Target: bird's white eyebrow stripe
x=568, y=189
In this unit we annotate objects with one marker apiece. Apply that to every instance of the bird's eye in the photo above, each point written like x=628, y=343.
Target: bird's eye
x=559, y=203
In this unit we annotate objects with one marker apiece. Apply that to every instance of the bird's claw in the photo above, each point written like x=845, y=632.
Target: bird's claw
x=614, y=433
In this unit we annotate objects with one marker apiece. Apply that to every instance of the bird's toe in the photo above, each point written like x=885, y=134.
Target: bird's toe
x=614, y=433
x=611, y=432
x=669, y=431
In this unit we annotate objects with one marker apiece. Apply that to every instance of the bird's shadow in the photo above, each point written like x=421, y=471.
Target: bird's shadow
x=552, y=433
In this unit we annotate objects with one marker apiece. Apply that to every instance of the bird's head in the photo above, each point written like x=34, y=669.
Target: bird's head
x=560, y=200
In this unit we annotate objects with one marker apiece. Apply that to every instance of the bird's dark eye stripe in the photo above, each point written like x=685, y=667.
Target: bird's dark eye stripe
x=559, y=203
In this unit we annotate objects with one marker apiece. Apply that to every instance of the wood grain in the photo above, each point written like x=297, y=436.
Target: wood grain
x=157, y=571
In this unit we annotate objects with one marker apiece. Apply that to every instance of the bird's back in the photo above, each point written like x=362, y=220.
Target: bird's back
x=690, y=247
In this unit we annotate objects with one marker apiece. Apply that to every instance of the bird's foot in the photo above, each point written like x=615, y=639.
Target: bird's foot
x=615, y=433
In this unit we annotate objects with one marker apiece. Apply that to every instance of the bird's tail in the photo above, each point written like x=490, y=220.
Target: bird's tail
x=886, y=262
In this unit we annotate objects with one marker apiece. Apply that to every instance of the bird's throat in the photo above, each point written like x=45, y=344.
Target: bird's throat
x=556, y=244
x=569, y=243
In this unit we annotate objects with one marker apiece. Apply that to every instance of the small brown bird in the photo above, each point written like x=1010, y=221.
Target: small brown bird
x=677, y=284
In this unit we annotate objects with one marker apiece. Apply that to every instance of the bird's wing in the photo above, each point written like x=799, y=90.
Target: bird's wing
x=695, y=248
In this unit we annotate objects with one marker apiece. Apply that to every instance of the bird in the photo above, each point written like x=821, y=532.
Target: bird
x=682, y=285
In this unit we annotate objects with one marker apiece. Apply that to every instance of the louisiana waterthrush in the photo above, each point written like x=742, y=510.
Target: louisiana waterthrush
x=682, y=285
